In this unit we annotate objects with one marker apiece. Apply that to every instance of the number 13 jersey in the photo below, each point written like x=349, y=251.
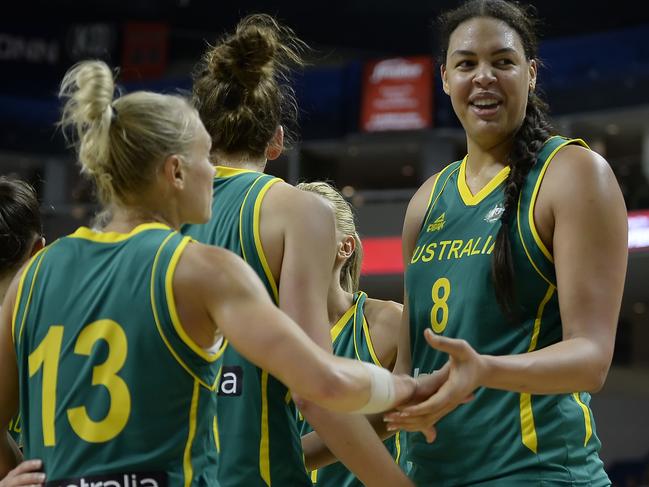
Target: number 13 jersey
x=502, y=437
x=111, y=387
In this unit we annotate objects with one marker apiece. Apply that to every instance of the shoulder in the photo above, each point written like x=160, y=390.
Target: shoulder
x=207, y=266
x=578, y=172
x=289, y=206
x=295, y=200
x=416, y=211
x=382, y=313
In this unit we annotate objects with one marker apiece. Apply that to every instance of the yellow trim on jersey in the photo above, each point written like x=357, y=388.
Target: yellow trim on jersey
x=527, y=253
x=174, y=354
x=173, y=311
x=256, y=233
x=314, y=476
x=397, y=444
x=264, y=442
x=587, y=422
x=370, y=346
x=228, y=172
x=112, y=237
x=429, y=210
x=215, y=426
x=31, y=290
x=537, y=186
x=340, y=324
x=217, y=439
x=19, y=293
x=469, y=198
x=528, y=430
x=188, y=470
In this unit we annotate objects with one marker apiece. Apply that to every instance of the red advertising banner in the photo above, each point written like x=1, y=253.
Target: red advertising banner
x=397, y=94
x=381, y=255
x=144, y=54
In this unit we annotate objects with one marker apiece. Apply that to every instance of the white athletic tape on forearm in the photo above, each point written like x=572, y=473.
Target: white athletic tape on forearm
x=381, y=390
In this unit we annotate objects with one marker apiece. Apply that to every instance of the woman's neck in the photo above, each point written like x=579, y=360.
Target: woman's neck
x=4, y=286
x=484, y=156
x=239, y=162
x=124, y=219
x=338, y=300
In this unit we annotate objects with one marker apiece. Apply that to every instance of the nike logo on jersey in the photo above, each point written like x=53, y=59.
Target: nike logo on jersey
x=438, y=224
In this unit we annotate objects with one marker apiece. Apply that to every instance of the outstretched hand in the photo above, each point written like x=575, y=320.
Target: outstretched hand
x=26, y=473
x=443, y=391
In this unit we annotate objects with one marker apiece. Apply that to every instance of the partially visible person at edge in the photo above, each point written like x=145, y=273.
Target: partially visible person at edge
x=287, y=235
x=516, y=259
x=361, y=327
x=145, y=313
x=21, y=237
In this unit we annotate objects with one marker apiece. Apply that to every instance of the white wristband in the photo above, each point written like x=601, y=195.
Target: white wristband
x=381, y=390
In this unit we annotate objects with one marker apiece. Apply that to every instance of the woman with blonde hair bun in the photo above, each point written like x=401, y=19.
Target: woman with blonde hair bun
x=113, y=339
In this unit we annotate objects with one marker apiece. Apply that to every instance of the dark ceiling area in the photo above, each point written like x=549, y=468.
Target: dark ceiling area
x=380, y=26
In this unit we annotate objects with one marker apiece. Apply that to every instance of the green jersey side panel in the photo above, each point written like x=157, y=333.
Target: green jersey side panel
x=500, y=436
x=109, y=382
x=258, y=439
x=351, y=338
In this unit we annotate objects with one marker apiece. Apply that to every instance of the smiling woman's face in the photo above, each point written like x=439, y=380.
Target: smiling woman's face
x=488, y=78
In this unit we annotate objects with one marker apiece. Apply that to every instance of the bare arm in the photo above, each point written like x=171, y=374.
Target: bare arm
x=315, y=453
x=231, y=294
x=306, y=264
x=590, y=251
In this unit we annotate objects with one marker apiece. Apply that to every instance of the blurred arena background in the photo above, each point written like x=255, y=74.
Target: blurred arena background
x=373, y=119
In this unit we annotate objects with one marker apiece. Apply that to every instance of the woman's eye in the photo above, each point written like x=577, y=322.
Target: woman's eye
x=464, y=64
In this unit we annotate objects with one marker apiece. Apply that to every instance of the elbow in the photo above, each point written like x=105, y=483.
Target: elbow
x=597, y=377
x=330, y=389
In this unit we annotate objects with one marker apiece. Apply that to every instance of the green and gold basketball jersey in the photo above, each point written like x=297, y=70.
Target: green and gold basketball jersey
x=351, y=338
x=500, y=438
x=112, y=389
x=258, y=439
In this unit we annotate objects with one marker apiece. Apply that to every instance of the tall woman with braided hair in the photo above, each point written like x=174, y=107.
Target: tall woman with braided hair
x=243, y=97
x=516, y=258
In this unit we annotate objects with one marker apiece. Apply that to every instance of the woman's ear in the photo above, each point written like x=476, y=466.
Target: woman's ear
x=39, y=243
x=442, y=70
x=346, y=247
x=276, y=144
x=172, y=171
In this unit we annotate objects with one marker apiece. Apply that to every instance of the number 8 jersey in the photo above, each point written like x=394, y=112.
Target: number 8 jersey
x=112, y=389
x=500, y=438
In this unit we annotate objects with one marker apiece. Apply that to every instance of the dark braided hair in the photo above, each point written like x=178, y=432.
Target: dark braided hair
x=528, y=139
x=20, y=222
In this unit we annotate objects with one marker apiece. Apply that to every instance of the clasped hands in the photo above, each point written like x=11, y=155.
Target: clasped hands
x=439, y=393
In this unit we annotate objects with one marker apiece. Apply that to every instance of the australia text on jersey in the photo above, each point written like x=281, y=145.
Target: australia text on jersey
x=453, y=249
